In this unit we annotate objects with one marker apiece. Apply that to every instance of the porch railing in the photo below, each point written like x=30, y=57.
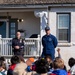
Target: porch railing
x=32, y=47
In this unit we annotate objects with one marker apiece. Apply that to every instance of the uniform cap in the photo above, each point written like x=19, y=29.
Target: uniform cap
x=47, y=28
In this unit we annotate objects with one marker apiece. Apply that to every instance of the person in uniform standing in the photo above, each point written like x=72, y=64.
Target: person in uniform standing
x=18, y=45
x=49, y=43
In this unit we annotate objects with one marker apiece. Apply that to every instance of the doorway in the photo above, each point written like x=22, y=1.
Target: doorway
x=3, y=29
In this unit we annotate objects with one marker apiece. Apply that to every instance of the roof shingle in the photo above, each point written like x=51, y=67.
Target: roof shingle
x=36, y=1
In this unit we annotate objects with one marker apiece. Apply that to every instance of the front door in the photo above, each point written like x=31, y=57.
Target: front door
x=3, y=29
x=13, y=27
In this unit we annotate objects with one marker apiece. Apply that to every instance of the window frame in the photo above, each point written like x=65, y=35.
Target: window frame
x=69, y=28
x=11, y=21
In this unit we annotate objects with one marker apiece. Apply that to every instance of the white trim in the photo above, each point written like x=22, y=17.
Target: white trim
x=21, y=9
x=63, y=27
x=65, y=44
x=7, y=29
x=37, y=5
x=67, y=28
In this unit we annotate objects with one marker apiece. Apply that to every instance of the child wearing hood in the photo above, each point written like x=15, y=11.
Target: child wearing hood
x=58, y=65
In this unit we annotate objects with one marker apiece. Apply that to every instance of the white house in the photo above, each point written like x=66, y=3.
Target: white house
x=33, y=15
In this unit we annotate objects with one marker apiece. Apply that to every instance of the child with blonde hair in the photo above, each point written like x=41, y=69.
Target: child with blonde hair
x=58, y=65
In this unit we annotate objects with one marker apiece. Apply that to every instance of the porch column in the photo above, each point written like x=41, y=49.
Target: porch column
x=43, y=22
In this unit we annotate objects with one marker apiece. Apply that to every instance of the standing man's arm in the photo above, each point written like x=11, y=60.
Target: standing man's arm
x=14, y=46
x=55, y=42
x=42, y=42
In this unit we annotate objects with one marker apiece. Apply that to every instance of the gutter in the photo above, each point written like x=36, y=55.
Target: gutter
x=36, y=5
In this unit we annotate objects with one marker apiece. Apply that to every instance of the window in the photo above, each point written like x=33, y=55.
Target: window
x=63, y=27
x=13, y=27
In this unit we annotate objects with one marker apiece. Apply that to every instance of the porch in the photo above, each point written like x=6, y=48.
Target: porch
x=30, y=21
x=32, y=47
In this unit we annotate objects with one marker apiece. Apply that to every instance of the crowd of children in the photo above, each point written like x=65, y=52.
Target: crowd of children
x=42, y=66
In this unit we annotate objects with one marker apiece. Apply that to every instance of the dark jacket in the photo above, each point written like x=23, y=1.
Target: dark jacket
x=20, y=43
x=49, y=43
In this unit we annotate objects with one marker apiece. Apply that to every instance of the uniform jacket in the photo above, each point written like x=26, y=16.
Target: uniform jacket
x=49, y=43
x=17, y=42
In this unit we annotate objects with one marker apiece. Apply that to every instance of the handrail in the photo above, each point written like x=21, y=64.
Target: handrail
x=32, y=47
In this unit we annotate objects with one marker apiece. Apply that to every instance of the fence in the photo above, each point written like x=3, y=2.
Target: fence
x=32, y=47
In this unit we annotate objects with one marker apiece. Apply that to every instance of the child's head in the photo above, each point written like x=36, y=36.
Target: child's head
x=42, y=66
x=15, y=60
x=49, y=59
x=58, y=63
x=2, y=58
x=2, y=65
x=71, y=62
x=30, y=61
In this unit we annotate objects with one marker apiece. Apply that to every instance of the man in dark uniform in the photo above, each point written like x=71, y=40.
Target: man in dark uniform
x=49, y=43
x=18, y=45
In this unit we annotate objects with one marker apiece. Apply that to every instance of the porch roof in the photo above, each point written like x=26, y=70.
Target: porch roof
x=32, y=2
x=35, y=3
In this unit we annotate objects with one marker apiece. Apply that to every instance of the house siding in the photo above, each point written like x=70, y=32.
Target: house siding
x=66, y=52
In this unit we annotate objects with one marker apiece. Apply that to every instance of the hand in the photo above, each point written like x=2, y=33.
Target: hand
x=17, y=47
x=58, y=50
x=31, y=67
